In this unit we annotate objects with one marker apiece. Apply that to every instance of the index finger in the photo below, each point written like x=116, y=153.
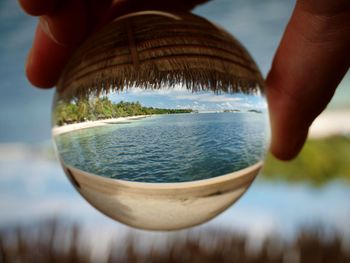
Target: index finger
x=311, y=60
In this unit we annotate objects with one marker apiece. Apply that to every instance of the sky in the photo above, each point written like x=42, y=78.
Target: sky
x=181, y=98
x=25, y=111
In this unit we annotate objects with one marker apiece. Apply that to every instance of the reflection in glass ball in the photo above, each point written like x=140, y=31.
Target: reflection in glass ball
x=160, y=121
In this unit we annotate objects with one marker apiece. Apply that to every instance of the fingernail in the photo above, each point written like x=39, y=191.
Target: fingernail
x=45, y=27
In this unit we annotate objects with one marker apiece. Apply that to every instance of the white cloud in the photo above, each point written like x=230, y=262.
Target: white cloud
x=226, y=105
x=247, y=105
x=197, y=106
x=200, y=107
x=208, y=98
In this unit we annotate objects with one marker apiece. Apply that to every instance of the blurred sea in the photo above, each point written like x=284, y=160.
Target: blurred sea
x=33, y=186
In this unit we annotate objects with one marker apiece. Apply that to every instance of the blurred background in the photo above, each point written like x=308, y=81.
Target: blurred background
x=306, y=199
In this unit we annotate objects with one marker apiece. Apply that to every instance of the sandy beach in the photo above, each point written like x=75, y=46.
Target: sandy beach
x=57, y=130
x=331, y=123
x=162, y=206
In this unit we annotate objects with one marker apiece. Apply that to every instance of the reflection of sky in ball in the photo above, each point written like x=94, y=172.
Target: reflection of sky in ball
x=182, y=99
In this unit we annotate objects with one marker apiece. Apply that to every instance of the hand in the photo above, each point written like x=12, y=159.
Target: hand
x=312, y=58
x=64, y=24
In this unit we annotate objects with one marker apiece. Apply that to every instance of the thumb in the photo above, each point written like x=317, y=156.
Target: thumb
x=311, y=60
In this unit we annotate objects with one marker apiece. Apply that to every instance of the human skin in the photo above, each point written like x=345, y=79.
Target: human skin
x=312, y=58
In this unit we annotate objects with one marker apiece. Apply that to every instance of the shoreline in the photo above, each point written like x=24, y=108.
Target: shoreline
x=329, y=123
x=57, y=130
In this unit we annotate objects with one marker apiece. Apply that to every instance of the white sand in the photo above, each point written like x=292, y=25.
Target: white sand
x=89, y=124
x=163, y=206
x=331, y=123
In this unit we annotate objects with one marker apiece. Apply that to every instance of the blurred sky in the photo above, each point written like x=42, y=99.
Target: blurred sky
x=25, y=111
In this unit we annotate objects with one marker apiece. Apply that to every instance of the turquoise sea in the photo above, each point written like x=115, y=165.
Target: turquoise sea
x=168, y=148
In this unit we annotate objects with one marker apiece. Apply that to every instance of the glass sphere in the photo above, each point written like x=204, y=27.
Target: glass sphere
x=157, y=152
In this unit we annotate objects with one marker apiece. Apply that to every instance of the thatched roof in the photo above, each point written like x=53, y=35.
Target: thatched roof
x=153, y=50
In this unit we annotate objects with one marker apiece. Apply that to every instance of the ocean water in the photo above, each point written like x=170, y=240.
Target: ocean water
x=168, y=148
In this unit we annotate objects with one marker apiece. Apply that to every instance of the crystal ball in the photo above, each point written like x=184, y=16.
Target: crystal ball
x=160, y=120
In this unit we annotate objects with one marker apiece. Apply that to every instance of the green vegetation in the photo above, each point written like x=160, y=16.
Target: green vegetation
x=321, y=161
x=102, y=108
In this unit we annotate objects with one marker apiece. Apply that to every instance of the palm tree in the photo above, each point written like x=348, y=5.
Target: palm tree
x=83, y=111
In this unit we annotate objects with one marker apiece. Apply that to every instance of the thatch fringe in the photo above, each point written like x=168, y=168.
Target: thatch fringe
x=153, y=51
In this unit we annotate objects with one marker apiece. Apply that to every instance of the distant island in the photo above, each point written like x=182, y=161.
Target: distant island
x=102, y=108
x=255, y=111
x=232, y=110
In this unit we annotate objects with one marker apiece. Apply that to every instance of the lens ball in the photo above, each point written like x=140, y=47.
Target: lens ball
x=160, y=120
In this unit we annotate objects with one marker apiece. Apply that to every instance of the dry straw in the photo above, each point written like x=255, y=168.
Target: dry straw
x=152, y=50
